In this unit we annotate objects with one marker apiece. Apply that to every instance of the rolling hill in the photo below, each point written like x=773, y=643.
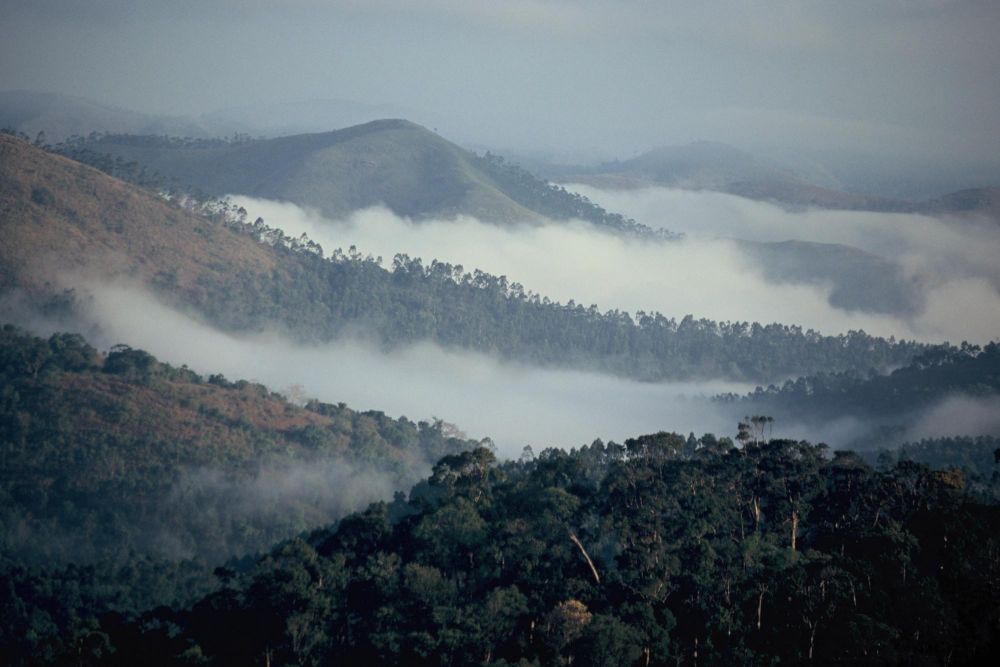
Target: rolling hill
x=846, y=269
x=945, y=392
x=860, y=281
x=68, y=226
x=702, y=164
x=60, y=218
x=411, y=170
x=280, y=117
x=707, y=165
x=396, y=163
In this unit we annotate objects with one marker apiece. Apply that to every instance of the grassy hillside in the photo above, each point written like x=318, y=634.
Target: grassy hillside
x=408, y=168
x=701, y=164
x=58, y=216
x=393, y=162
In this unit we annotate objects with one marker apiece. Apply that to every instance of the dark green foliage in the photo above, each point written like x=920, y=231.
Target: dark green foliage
x=122, y=478
x=42, y=196
x=975, y=457
x=888, y=401
x=50, y=614
x=553, y=201
x=105, y=455
x=442, y=302
x=767, y=554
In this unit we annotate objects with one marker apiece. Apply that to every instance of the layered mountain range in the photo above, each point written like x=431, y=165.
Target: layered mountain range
x=67, y=224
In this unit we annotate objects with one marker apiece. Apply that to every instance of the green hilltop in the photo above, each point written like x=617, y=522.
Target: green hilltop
x=396, y=163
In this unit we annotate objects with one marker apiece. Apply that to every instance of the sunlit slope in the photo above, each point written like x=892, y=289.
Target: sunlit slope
x=397, y=163
x=58, y=217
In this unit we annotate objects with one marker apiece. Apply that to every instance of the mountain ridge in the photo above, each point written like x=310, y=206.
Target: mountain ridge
x=719, y=167
x=63, y=217
x=393, y=162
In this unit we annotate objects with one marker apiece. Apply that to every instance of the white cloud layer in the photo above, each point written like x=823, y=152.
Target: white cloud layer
x=967, y=415
x=515, y=405
x=704, y=275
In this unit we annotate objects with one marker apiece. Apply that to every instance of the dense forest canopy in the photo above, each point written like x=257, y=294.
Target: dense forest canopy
x=975, y=457
x=894, y=401
x=109, y=455
x=664, y=550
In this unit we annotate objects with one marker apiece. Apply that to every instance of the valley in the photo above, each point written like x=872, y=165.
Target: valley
x=499, y=334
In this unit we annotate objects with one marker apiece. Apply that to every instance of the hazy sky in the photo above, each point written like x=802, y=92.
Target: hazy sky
x=905, y=78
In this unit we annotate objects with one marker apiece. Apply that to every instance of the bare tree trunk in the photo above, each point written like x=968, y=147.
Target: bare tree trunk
x=812, y=639
x=795, y=528
x=760, y=603
x=593, y=569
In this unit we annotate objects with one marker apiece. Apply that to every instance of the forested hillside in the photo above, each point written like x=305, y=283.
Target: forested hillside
x=892, y=400
x=977, y=457
x=63, y=221
x=663, y=551
x=106, y=455
x=297, y=371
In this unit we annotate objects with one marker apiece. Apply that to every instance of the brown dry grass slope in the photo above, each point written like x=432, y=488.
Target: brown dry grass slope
x=59, y=218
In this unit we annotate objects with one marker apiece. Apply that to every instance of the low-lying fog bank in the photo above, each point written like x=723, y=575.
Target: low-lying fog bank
x=702, y=275
x=515, y=405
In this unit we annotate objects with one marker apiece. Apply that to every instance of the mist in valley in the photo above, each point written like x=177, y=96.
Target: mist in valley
x=513, y=404
x=945, y=247
x=708, y=274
